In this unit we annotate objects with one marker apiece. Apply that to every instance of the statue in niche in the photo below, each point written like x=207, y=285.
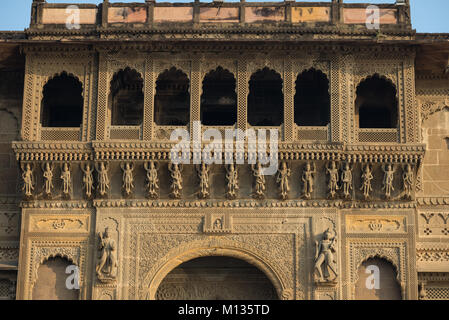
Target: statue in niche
x=128, y=178
x=152, y=179
x=332, y=171
x=232, y=177
x=103, y=179
x=408, y=178
x=282, y=179
x=367, y=176
x=203, y=175
x=28, y=179
x=66, y=179
x=48, y=178
x=218, y=224
x=176, y=176
x=325, y=261
x=260, y=180
x=107, y=265
x=388, y=180
x=346, y=180
x=88, y=179
x=307, y=178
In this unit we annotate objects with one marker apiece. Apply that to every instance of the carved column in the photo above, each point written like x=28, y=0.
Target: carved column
x=195, y=95
x=148, y=105
x=102, y=101
x=289, y=88
x=242, y=94
x=410, y=109
x=334, y=91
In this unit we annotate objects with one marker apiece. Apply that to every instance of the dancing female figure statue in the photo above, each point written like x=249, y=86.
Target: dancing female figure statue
x=282, y=179
x=176, y=183
x=232, y=177
x=152, y=179
x=88, y=179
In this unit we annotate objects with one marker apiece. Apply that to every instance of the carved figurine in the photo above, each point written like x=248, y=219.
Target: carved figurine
x=367, y=176
x=232, y=176
x=346, y=180
x=408, y=178
x=107, y=265
x=152, y=179
x=218, y=224
x=103, y=179
x=307, y=178
x=388, y=180
x=260, y=180
x=332, y=170
x=128, y=178
x=48, y=177
x=28, y=180
x=176, y=183
x=88, y=179
x=66, y=179
x=203, y=175
x=282, y=179
x=325, y=259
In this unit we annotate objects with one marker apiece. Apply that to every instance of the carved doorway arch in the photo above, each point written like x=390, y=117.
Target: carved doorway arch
x=154, y=279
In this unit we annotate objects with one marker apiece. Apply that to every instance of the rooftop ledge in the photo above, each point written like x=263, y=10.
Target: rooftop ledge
x=150, y=14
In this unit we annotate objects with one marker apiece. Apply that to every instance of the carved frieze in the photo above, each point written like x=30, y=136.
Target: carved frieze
x=376, y=224
x=66, y=223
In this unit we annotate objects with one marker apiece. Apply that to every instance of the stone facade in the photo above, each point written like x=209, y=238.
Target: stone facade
x=101, y=196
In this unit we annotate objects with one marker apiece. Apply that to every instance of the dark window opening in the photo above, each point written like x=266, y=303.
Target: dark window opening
x=62, y=103
x=172, y=99
x=265, y=99
x=376, y=105
x=219, y=99
x=312, y=100
x=127, y=98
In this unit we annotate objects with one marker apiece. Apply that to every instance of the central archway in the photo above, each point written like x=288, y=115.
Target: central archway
x=204, y=249
x=216, y=278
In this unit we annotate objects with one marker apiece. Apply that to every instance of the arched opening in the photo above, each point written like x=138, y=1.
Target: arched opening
x=219, y=99
x=126, y=98
x=216, y=278
x=312, y=99
x=377, y=280
x=265, y=99
x=51, y=281
x=172, y=99
x=62, y=103
x=376, y=105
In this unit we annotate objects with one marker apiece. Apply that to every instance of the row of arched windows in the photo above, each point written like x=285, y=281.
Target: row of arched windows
x=375, y=106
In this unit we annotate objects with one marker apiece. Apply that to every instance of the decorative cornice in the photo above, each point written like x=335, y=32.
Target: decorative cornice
x=41, y=204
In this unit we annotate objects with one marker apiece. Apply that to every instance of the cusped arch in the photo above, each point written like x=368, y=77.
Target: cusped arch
x=66, y=73
x=376, y=103
x=14, y=119
x=387, y=78
x=45, y=258
x=204, y=249
x=381, y=256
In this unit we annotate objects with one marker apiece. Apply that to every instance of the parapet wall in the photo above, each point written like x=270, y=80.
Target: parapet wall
x=149, y=13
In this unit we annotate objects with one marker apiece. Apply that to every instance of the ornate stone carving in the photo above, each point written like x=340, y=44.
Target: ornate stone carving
x=66, y=180
x=283, y=174
x=103, y=179
x=232, y=178
x=176, y=180
x=28, y=179
x=47, y=168
x=325, y=261
x=128, y=178
x=367, y=177
x=332, y=171
x=88, y=179
x=152, y=179
x=106, y=268
x=308, y=177
x=259, y=192
x=203, y=175
x=408, y=180
x=388, y=180
x=346, y=181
